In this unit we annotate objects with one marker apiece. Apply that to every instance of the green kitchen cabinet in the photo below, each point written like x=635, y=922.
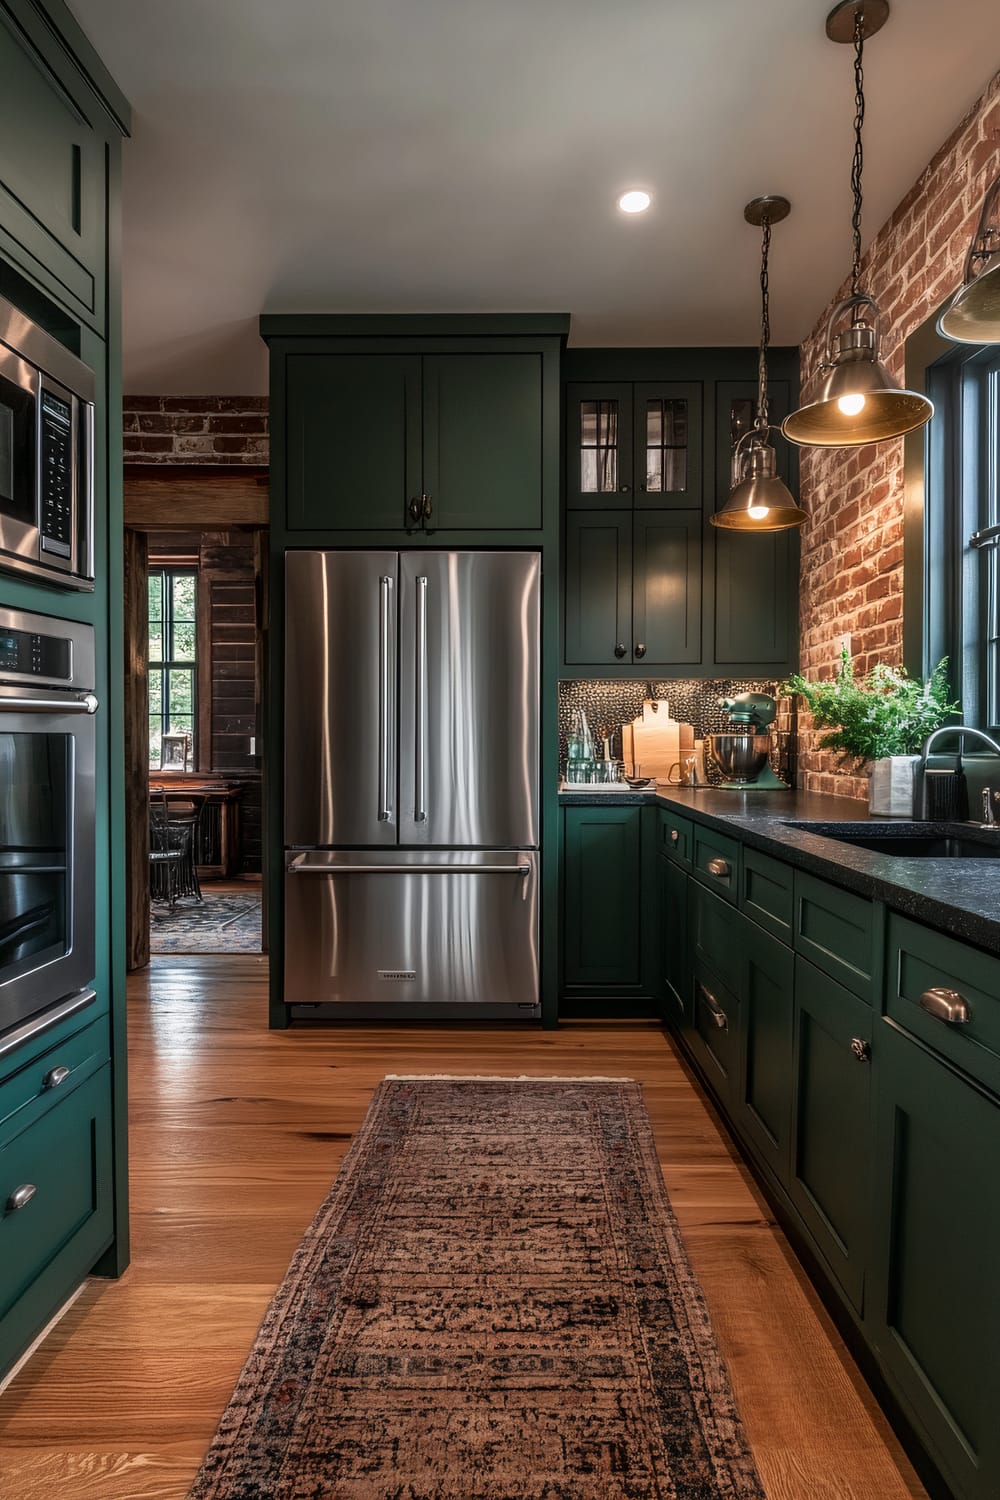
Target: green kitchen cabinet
x=602, y=897
x=634, y=444
x=53, y=172
x=935, y=1298
x=610, y=920
x=829, y=1171
x=396, y=441
x=633, y=588
x=756, y=577
x=763, y=1099
x=673, y=938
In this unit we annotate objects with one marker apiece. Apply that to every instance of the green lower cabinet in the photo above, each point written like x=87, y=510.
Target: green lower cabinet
x=935, y=1300
x=829, y=1176
x=674, y=962
x=764, y=1100
x=602, y=897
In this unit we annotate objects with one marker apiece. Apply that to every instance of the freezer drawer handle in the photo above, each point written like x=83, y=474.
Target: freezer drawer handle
x=385, y=728
x=299, y=866
x=420, y=750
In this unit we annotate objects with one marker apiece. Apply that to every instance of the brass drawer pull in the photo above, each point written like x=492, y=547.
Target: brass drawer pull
x=20, y=1197
x=720, y=868
x=861, y=1049
x=675, y=837
x=946, y=1005
x=54, y=1077
x=717, y=1014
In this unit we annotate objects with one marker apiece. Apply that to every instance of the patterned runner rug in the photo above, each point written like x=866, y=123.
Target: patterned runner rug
x=493, y=1303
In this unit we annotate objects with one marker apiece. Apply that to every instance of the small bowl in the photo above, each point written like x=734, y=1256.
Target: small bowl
x=638, y=783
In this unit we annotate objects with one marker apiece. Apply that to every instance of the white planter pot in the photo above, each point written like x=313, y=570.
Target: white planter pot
x=891, y=788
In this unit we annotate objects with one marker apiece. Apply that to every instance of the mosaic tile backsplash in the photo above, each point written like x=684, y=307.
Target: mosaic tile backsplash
x=612, y=703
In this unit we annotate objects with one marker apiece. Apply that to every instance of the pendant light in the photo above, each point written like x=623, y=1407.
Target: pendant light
x=860, y=402
x=759, y=500
x=973, y=314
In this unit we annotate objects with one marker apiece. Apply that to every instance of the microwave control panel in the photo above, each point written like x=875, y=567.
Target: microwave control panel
x=56, y=475
x=24, y=654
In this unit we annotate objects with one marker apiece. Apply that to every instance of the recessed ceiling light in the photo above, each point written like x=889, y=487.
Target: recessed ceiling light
x=635, y=202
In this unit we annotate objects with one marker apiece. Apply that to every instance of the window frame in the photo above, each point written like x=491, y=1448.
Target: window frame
x=168, y=662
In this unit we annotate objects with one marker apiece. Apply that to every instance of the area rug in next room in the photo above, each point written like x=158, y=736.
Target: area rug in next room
x=492, y=1304
x=222, y=922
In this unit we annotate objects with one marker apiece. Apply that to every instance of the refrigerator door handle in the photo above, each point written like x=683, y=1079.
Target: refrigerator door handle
x=420, y=707
x=385, y=726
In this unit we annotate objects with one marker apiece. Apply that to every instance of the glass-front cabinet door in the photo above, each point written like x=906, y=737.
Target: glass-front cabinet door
x=599, y=447
x=667, y=425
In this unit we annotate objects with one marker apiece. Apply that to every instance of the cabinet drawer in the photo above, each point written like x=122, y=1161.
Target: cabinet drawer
x=715, y=934
x=31, y=1090
x=59, y=1167
x=676, y=838
x=766, y=893
x=921, y=960
x=838, y=931
x=716, y=860
x=715, y=1036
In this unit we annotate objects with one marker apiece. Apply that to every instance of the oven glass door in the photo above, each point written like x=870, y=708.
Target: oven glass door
x=46, y=861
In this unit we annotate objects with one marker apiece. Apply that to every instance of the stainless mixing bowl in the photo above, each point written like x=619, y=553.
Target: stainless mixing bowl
x=740, y=757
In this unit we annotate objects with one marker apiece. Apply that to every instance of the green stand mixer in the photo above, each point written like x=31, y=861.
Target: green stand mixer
x=741, y=755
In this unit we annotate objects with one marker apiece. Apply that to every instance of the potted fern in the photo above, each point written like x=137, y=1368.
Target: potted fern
x=884, y=718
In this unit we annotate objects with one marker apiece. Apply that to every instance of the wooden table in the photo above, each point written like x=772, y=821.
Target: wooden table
x=217, y=849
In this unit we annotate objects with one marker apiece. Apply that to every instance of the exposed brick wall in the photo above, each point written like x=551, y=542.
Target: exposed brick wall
x=195, y=429
x=852, y=545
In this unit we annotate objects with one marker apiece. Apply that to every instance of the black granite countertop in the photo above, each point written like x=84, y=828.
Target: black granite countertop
x=958, y=896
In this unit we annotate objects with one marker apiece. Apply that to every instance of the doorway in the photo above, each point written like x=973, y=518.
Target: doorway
x=194, y=627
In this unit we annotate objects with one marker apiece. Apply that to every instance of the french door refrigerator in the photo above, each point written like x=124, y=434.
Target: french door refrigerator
x=411, y=784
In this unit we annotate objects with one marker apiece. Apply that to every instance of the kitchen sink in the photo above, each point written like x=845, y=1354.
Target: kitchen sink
x=912, y=840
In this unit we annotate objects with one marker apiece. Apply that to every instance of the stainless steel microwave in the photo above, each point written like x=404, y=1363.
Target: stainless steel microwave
x=46, y=455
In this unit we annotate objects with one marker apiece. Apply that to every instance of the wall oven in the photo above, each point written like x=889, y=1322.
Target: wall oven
x=47, y=788
x=46, y=455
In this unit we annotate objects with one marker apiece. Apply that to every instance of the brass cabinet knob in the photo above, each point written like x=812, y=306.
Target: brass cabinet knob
x=861, y=1049
x=674, y=836
x=720, y=868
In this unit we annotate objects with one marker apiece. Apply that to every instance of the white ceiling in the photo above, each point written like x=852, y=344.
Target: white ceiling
x=458, y=155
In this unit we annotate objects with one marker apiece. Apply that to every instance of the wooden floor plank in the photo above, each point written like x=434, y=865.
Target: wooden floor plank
x=236, y=1135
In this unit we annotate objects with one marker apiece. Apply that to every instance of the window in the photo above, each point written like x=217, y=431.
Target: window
x=173, y=635
x=962, y=528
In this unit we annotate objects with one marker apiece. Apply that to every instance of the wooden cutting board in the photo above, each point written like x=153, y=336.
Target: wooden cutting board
x=654, y=741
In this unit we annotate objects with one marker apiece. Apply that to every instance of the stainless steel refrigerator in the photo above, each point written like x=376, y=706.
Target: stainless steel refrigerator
x=411, y=784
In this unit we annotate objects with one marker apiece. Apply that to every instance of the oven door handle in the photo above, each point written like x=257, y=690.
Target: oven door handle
x=85, y=704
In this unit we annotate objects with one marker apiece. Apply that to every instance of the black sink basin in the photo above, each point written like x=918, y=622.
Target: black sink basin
x=912, y=840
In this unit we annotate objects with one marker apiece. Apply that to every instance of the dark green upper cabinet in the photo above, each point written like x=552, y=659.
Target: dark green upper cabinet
x=482, y=441
x=756, y=577
x=353, y=440
x=53, y=175
x=649, y=436
x=414, y=425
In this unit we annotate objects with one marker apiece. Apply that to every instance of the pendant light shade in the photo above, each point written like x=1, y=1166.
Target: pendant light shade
x=759, y=500
x=860, y=401
x=973, y=314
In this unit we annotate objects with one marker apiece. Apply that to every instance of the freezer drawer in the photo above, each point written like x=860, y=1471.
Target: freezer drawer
x=394, y=933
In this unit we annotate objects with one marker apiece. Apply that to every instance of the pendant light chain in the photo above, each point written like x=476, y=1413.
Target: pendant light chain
x=765, y=328
x=858, y=162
